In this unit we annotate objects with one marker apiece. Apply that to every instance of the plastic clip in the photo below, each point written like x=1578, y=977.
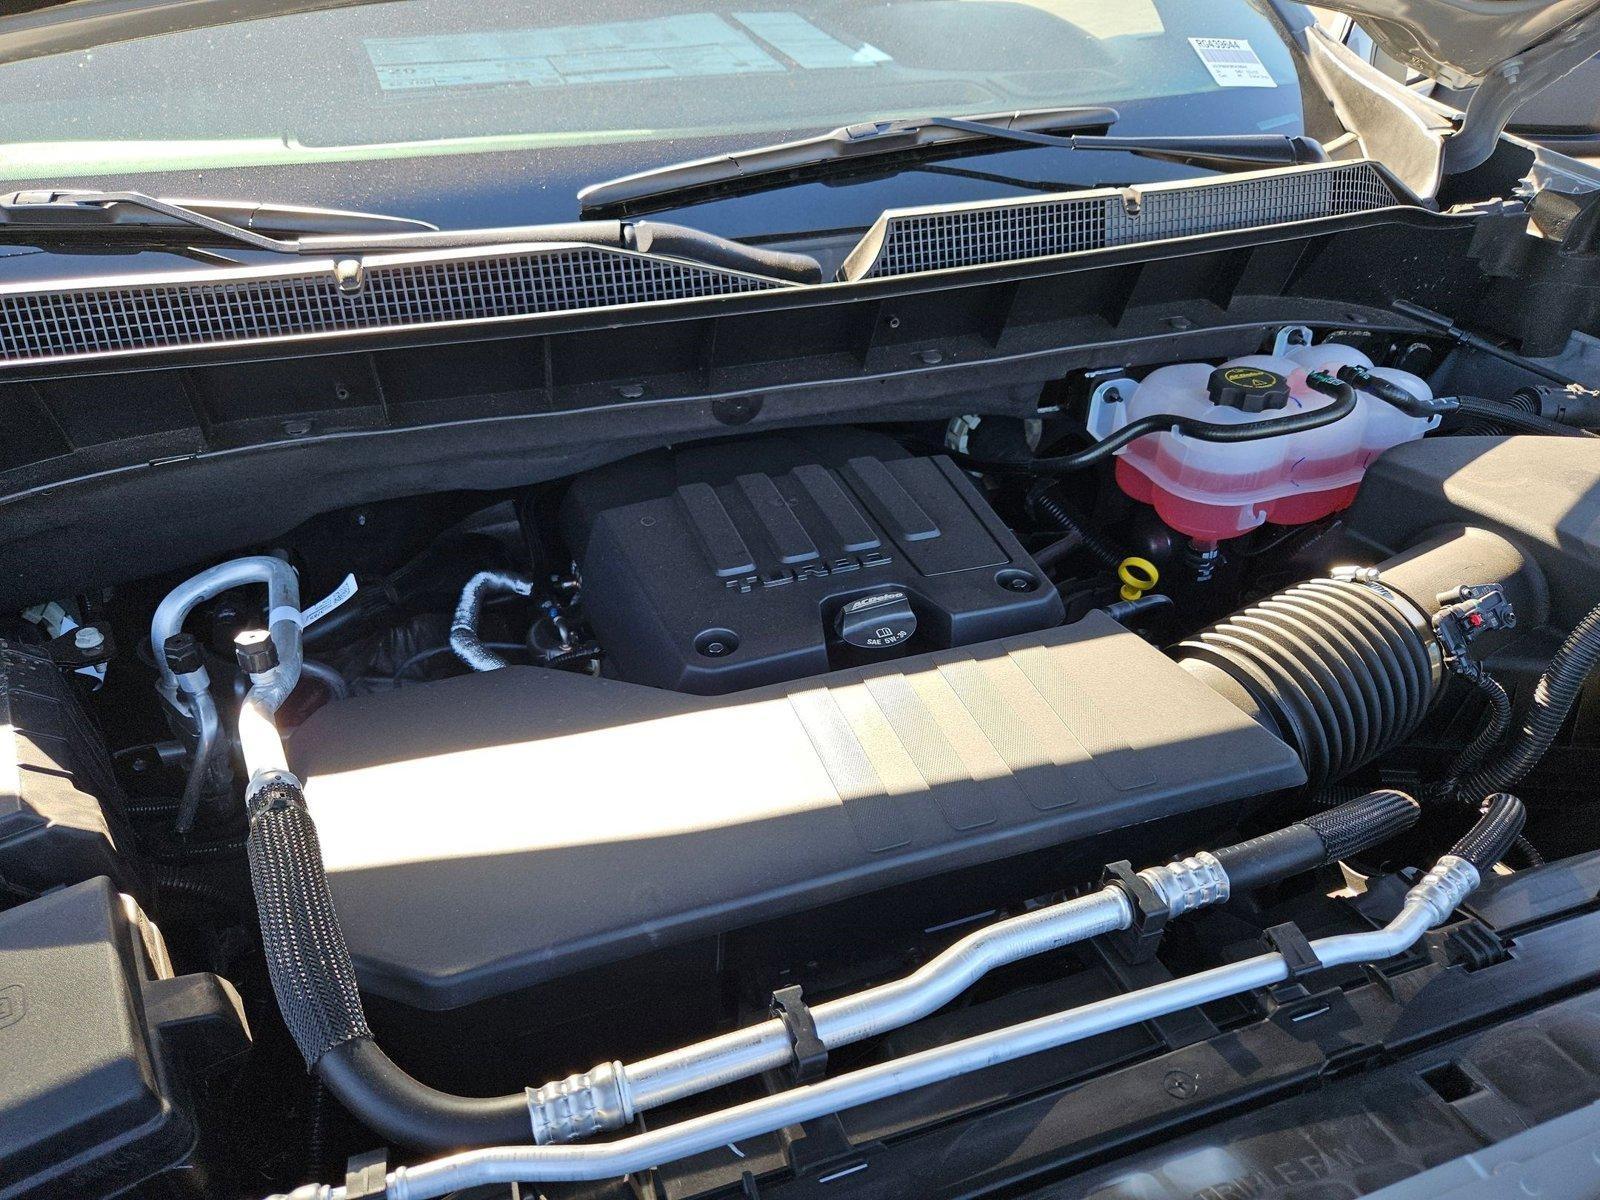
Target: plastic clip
x=810, y=1055
x=1137, y=943
x=1298, y=956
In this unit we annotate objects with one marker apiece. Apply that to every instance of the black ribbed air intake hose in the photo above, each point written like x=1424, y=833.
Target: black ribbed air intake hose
x=315, y=983
x=1494, y=833
x=1323, y=838
x=1553, y=697
x=1340, y=670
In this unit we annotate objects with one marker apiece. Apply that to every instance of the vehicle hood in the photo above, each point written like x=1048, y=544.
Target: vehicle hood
x=1462, y=42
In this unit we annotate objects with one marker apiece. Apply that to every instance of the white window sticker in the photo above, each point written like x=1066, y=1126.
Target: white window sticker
x=1232, y=62
x=676, y=47
x=802, y=41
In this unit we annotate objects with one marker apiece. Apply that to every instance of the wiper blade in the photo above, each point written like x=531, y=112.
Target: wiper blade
x=765, y=166
x=849, y=144
x=94, y=214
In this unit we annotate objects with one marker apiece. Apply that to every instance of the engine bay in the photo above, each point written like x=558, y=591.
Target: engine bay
x=743, y=816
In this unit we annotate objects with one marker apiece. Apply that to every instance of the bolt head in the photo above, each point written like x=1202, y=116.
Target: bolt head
x=88, y=638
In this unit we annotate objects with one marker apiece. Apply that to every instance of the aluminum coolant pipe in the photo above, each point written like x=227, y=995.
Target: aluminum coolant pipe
x=1428, y=903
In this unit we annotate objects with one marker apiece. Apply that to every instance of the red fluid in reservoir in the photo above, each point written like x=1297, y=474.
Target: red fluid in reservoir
x=1216, y=490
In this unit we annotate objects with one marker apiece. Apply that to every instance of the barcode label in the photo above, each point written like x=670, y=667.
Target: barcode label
x=1232, y=62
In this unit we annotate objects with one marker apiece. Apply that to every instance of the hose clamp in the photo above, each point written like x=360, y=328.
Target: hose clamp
x=272, y=791
x=565, y=1110
x=1189, y=883
x=1410, y=612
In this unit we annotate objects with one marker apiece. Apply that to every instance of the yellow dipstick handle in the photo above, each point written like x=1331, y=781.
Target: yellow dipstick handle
x=1138, y=576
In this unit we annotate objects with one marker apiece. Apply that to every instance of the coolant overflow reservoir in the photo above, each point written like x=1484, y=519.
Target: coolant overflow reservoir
x=1219, y=490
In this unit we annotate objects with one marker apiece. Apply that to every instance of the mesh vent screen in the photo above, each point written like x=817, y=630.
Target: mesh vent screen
x=172, y=314
x=1036, y=229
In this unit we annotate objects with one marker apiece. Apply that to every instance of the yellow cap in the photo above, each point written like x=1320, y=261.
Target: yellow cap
x=1138, y=576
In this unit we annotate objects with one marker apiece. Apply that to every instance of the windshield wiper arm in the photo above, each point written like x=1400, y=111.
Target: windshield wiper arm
x=327, y=231
x=69, y=212
x=762, y=165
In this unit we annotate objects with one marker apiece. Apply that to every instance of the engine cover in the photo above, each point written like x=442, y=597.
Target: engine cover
x=486, y=833
x=712, y=586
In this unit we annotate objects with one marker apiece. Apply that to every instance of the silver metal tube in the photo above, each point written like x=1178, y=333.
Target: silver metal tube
x=608, y=1096
x=259, y=740
x=208, y=730
x=464, y=639
x=653, y=1082
x=283, y=599
x=1429, y=902
x=943, y=978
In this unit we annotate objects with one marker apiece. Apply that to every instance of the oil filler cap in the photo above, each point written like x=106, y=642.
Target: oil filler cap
x=876, y=622
x=1249, y=389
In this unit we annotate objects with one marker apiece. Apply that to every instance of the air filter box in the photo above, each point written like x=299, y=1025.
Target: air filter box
x=100, y=1045
x=731, y=567
x=492, y=832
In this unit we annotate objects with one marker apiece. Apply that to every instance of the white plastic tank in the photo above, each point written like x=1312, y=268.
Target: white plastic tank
x=1215, y=490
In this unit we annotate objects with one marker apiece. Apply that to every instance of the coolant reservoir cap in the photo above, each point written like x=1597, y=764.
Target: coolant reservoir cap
x=1249, y=389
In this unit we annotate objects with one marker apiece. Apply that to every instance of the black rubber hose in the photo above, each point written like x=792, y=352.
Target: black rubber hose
x=1205, y=431
x=1553, y=697
x=1045, y=502
x=1337, y=669
x=661, y=237
x=1393, y=394
x=1494, y=833
x=1064, y=545
x=315, y=983
x=408, y=1113
x=1495, y=727
x=1364, y=823
x=1510, y=417
x=1323, y=838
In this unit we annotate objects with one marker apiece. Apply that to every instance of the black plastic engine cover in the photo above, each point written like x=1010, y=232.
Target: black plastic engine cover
x=493, y=832
x=715, y=586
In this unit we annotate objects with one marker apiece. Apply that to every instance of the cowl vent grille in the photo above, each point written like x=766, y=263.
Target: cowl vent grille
x=934, y=239
x=136, y=314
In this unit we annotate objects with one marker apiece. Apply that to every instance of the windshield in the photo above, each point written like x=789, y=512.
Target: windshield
x=434, y=77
